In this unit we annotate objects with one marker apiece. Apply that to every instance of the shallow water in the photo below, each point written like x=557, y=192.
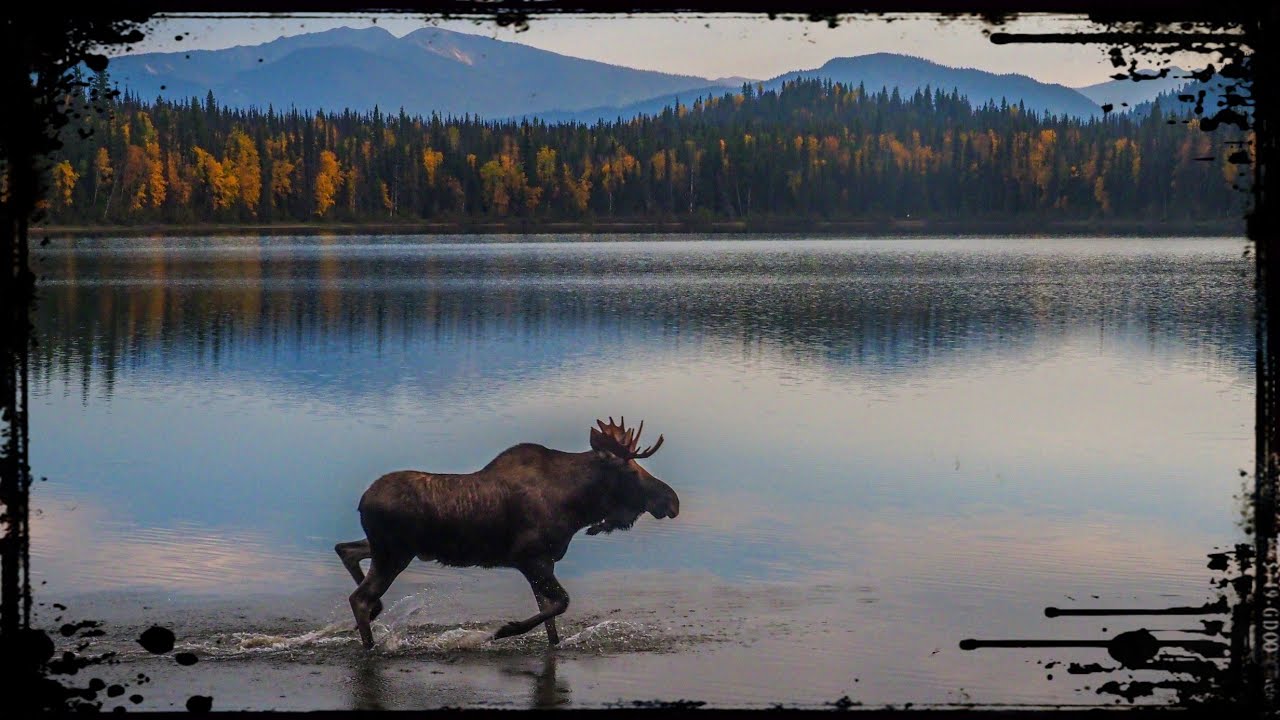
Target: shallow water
x=881, y=447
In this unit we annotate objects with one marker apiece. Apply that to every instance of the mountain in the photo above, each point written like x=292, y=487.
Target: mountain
x=1211, y=97
x=453, y=73
x=429, y=70
x=735, y=81
x=1125, y=94
x=908, y=74
x=877, y=71
x=648, y=106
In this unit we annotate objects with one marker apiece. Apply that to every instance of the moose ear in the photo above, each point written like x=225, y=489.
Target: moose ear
x=603, y=443
x=598, y=441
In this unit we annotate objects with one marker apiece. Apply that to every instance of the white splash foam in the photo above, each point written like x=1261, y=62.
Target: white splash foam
x=463, y=639
x=405, y=639
x=605, y=631
x=399, y=635
x=245, y=642
x=405, y=608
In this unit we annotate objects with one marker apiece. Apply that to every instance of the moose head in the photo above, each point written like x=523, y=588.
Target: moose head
x=635, y=490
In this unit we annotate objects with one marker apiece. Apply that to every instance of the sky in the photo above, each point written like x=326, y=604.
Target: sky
x=734, y=46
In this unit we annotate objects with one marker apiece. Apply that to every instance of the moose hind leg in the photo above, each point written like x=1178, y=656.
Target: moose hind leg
x=382, y=572
x=351, y=554
x=553, y=601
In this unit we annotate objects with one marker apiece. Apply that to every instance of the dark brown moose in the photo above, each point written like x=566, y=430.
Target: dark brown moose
x=520, y=511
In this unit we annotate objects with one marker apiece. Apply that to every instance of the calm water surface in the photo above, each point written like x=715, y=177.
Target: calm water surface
x=881, y=447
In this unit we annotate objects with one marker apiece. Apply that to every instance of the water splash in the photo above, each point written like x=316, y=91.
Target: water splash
x=462, y=639
x=608, y=634
x=399, y=635
x=237, y=643
x=396, y=640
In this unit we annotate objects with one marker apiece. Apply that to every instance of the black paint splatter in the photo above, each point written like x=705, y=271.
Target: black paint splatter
x=157, y=640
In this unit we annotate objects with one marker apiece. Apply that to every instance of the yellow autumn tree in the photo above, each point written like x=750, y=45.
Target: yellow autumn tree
x=578, y=189
x=545, y=168
x=219, y=183
x=134, y=175
x=103, y=173
x=658, y=165
x=495, y=187
x=242, y=161
x=614, y=171
x=281, y=180
x=1101, y=196
x=328, y=179
x=281, y=169
x=387, y=201
x=1041, y=158
x=431, y=161
x=157, y=186
x=178, y=179
x=64, y=183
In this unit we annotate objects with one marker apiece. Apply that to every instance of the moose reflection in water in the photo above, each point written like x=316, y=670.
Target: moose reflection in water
x=519, y=511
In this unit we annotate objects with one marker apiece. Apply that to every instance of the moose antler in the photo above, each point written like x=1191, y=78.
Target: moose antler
x=620, y=441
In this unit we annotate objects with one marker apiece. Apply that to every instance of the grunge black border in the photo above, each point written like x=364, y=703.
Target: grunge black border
x=36, y=41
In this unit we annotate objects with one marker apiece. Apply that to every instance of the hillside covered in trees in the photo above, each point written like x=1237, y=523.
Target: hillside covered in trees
x=812, y=149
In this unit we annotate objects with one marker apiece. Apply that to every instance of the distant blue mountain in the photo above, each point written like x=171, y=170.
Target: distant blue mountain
x=907, y=74
x=648, y=106
x=452, y=73
x=429, y=70
x=1122, y=95
x=1203, y=99
x=881, y=71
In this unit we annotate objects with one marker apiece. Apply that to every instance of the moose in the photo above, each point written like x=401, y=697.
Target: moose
x=520, y=511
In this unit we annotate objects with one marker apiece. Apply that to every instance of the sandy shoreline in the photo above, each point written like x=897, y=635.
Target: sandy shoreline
x=628, y=638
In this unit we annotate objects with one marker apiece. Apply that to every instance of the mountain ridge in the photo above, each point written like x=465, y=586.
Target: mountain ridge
x=432, y=70
x=1130, y=93
x=448, y=73
x=876, y=71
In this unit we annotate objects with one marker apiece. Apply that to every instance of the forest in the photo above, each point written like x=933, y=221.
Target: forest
x=811, y=149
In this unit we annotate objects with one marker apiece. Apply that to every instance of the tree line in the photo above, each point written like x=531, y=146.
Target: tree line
x=813, y=148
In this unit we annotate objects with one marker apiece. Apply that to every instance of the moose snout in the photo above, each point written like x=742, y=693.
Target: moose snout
x=666, y=507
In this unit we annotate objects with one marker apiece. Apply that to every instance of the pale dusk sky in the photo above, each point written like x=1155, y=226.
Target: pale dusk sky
x=756, y=48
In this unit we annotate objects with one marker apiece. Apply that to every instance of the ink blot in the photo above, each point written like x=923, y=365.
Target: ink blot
x=157, y=640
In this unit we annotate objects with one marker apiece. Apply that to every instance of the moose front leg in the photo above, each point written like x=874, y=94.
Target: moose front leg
x=552, y=601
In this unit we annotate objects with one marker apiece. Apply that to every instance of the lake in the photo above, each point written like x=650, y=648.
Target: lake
x=881, y=447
